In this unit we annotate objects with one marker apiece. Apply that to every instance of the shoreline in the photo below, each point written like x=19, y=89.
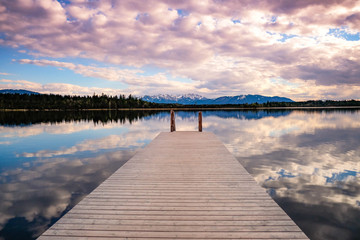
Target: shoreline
x=179, y=109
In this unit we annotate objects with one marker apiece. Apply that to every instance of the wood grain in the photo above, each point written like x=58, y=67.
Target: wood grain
x=183, y=185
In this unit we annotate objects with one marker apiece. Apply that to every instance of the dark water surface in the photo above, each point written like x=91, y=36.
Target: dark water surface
x=309, y=161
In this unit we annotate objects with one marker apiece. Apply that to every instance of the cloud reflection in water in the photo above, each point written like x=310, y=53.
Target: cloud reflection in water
x=38, y=187
x=42, y=193
x=308, y=161
x=310, y=167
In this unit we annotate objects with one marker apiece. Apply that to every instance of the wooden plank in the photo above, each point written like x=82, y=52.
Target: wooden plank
x=174, y=222
x=142, y=238
x=177, y=204
x=175, y=208
x=183, y=185
x=176, y=234
x=178, y=217
x=174, y=228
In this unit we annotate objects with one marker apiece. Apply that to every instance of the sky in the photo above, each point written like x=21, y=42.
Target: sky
x=308, y=49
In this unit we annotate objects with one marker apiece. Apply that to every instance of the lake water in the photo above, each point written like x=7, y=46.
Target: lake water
x=308, y=160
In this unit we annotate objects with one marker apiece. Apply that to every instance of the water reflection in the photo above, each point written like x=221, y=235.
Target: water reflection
x=35, y=197
x=21, y=118
x=51, y=160
x=307, y=160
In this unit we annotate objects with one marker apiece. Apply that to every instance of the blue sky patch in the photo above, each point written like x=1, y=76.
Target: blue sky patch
x=64, y=2
x=285, y=174
x=341, y=176
x=271, y=192
x=141, y=15
x=286, y=37
x=344, y=34
x=183, y=12
x=273, y=19
x=282, y=81
x=269, y=179
x=2, y=35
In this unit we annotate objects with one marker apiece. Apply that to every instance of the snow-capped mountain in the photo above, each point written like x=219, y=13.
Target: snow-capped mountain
x=181, y=99
x=194, y=99
x=242, y=99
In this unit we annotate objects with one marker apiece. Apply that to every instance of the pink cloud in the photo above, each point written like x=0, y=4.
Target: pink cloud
x=249, y=52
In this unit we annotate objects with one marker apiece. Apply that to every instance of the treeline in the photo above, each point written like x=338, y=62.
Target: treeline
x=311, y=103
x=15, y=118
x=314, y=103
x=52, y=101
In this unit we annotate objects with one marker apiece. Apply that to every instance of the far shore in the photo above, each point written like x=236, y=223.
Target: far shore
x=178, y=109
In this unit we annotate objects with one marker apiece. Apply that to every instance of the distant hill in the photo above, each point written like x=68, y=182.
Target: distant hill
x=194, y=99
x=18, y=91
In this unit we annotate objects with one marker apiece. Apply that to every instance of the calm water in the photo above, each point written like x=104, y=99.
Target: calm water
x=309, y=161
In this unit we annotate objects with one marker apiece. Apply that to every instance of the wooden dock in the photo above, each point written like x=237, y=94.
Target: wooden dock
x=183, y=185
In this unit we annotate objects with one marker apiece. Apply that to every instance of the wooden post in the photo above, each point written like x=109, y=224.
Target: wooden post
x=200, y=121
x=172, y=121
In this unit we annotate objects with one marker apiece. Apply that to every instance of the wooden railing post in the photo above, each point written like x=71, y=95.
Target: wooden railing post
x=172, y=121
x=200, y=121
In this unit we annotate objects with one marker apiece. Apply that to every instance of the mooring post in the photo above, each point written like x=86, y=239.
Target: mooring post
x=200, y=121
x=172, y=121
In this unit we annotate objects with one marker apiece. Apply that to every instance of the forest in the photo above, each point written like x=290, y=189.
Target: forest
x=23, y=118
x=67, y=102
x=310, y=104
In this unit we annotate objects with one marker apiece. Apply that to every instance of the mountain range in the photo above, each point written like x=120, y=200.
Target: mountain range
x=18, y=91
x=195, y=99
x=189, y=99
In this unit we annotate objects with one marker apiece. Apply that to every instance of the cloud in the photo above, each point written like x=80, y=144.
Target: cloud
x=271, y=148
x=50, y=128
x=253, y=37
x=131, y=77
x=301, y=159
x=109, y=142
x=110, y=74
x=50, y=187
x=344, y=72
x=56, y=88
x=134, y=135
